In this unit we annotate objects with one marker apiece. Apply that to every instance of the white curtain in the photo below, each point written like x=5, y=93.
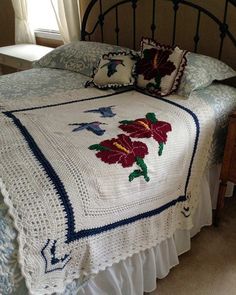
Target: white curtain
x=23, y=33
x=68, y=18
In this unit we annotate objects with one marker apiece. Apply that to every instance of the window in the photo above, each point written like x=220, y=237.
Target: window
x=42, y=18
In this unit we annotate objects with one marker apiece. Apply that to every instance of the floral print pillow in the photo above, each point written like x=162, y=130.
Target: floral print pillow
x=114, y=70
x=79, y=56
x=160, y=67
x=201, y=71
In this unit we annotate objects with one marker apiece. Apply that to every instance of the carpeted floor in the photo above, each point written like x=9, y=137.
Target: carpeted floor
x=210, y=267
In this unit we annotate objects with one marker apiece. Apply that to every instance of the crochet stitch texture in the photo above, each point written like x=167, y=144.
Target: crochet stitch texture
x=75, y=214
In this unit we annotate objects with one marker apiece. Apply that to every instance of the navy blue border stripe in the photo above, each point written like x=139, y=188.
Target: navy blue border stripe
x=60, y=189
x=69, y=102
x=98, y=230
x=62, y=194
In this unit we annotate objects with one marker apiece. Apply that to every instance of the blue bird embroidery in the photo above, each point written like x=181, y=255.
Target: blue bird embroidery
x=93, y=127
x=112, y=65
x=106, y=112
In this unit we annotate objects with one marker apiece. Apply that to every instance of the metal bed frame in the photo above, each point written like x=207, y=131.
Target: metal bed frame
x=222, y=25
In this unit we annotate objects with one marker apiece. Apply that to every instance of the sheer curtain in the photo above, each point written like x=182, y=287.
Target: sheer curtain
x=23, y=33
x=68, y=18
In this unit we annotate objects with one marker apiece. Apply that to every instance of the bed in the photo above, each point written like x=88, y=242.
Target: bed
x=137, y=217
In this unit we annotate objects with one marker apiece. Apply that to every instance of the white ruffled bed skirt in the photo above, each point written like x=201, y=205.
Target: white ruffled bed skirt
x=138, y=273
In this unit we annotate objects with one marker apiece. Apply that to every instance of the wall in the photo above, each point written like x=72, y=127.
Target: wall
x=7, y=25
x=7, y=29
x=186, y=24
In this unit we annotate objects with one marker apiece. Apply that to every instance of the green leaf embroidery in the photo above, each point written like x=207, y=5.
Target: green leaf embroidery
x=158, y=81
x=150, y=85
x=98, y=147
x=151, y=117
x=135, y=174
x=126, y=122
x=161, y=147
x=143, y=172
x=140, y=162
x=155, y=85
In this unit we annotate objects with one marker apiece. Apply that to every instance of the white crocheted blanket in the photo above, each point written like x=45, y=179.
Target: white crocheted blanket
x=91, y=181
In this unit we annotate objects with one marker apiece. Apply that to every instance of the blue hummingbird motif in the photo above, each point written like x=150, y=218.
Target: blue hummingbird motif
x=106, y=112
x=112, y=65
x=93, y=127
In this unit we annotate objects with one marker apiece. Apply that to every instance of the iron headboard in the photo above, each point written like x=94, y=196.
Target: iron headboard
x=222, y=24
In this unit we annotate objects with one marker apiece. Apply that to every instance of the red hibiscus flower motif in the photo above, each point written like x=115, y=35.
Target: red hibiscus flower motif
x=146, y=128
x=155, y=64
x=123, y=151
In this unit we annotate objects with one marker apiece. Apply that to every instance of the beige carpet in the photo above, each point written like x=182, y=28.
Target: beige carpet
x=210, y=266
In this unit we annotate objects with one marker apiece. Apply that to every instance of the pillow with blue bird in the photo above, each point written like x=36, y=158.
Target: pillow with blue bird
x=115, y=70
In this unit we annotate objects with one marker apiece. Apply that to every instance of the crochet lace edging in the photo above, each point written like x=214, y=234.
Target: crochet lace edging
x=20, y=259
x=11, y=209
x=21, y=243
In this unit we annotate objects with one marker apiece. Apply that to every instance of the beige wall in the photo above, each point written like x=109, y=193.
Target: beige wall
x=186, y=23
x=7, y=29
x=208, y=45
x=6, y=23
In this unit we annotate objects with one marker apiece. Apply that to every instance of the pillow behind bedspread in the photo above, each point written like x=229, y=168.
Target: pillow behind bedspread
x=79, y=56
x=201, y=71
x=83, y=57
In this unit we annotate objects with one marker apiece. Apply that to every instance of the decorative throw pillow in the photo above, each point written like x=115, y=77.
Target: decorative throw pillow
x=114, y=70
x=201, y=71
x=160, y=67
x=79, y=56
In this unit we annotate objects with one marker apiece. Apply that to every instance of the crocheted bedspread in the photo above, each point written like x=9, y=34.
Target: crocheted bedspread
x=92, y=180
